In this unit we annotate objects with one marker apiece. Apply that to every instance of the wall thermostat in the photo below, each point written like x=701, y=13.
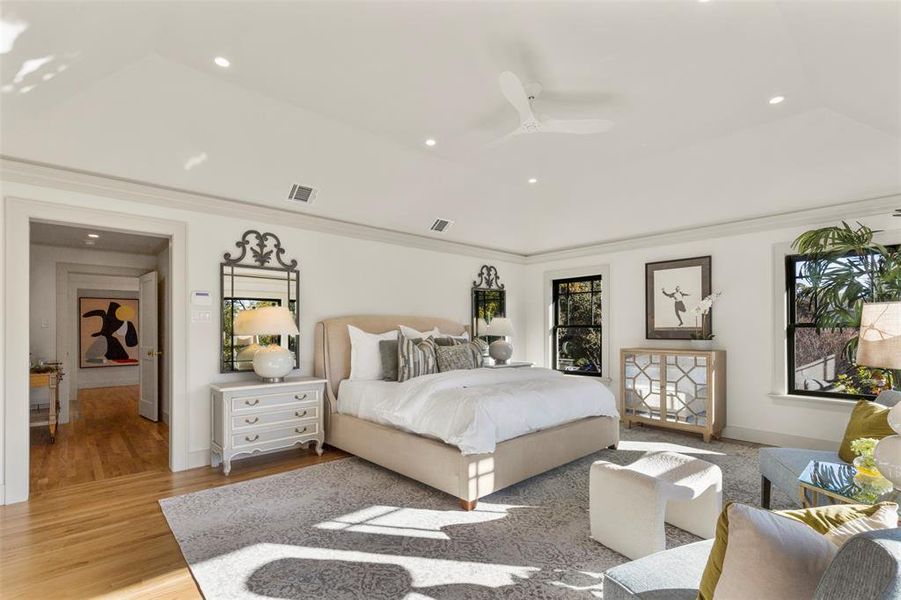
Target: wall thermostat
x=201, y=298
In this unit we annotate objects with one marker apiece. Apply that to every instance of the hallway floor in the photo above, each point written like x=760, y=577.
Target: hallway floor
x=104, y=438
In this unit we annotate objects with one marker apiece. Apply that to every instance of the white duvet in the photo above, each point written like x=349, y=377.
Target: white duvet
x=477, y=409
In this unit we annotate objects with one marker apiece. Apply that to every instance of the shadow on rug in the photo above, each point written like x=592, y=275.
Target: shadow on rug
x=348, y=529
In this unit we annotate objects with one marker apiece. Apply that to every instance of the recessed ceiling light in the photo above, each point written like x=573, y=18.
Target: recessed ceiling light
x=222, y=62
x=94, y=235
x=430, y=142
x=776, y=99
x=533, y=180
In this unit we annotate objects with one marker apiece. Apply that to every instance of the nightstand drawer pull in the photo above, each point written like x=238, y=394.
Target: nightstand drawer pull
x=253, y=402
x=250, y=421
x=300, y=396
x=299, y=430
x=252, y=439
x=298, y=413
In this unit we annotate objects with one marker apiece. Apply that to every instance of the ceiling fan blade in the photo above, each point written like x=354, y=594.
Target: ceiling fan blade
x=576, y=126
x=506, y=138
x=515, y=93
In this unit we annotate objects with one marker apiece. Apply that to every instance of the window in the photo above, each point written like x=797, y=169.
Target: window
x=577, y=336
x=818, y=364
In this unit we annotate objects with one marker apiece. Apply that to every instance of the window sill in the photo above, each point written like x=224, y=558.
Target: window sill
x=814, y=399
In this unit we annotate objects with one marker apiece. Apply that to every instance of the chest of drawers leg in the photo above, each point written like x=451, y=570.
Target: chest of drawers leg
x=256, y=418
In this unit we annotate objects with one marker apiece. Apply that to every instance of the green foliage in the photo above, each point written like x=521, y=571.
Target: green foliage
x=844, y=268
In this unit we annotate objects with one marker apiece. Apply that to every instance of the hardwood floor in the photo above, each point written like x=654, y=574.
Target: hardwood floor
x=104, y=438
x=108, y=538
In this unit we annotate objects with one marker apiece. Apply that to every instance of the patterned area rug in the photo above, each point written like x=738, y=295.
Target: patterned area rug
x=348, y=529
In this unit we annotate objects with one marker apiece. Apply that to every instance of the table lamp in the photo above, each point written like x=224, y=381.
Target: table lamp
x=271, y=363
x=500, y=350
x=879, y=346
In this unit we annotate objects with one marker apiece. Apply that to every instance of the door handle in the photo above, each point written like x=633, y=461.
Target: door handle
x=154, y=353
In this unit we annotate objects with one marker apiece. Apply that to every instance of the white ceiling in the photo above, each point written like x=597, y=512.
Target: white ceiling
x=66, y=236
x=341, y=96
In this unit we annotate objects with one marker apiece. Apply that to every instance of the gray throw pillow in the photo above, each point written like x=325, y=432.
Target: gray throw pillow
x=388, y=352
x=454, y=358
x=415, y=357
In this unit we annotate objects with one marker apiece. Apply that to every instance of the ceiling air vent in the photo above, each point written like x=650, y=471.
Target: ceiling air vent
x=441, y=225
x=301, y=193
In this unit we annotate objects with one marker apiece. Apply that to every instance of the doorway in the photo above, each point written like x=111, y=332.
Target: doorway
x=98, y=317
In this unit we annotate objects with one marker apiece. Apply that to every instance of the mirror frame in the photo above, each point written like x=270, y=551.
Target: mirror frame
x=262, y=250
x=488, y=280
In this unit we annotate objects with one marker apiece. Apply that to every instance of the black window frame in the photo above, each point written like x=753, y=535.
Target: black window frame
x=791, y=326
x=555, y=326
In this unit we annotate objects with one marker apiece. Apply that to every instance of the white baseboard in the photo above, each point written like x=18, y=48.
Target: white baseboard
x=782, y=440
x=199, y=458
x=166, y=418
x=2, y=494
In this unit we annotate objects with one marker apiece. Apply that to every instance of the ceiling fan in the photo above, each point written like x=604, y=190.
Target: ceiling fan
x=521, y=98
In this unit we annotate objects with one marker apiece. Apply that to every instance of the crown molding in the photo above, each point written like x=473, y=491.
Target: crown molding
x=882, y=205
x=38, y=174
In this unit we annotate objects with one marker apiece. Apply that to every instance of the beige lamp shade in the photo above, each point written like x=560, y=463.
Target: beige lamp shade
x=879, y=342
x=266, y=320
x=500, y=327
x=481, y=327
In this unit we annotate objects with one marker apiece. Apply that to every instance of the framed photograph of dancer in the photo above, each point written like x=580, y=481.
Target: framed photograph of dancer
x=673, y=288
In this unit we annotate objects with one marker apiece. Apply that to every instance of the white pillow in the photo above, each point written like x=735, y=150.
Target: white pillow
x=771, y=556
x=435, y=333
x=365, y=358
x=414, y=334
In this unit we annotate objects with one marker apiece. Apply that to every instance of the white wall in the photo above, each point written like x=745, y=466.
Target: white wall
x=743, y=268
x=338, y=276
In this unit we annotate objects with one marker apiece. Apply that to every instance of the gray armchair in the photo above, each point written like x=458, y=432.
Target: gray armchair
x=782, y=466
x=866, y=568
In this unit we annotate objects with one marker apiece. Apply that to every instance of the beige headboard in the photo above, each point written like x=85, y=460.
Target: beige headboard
x=332, y=354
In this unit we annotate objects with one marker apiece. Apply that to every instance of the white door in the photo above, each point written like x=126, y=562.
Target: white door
x=148, y=335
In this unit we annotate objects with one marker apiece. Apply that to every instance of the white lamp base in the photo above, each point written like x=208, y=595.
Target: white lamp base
x=500, y=351
x=272, y=363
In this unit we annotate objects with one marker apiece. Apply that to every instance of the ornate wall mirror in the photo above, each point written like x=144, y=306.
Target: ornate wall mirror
x=258, y=276
x=489, y=299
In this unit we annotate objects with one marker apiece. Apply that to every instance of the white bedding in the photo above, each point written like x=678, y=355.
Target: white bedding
x=477, y=409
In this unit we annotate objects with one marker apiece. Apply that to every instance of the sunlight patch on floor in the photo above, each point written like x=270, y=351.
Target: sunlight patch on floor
x=587, y=582
x=423, y=572
x=663, y=447
x=413, y=522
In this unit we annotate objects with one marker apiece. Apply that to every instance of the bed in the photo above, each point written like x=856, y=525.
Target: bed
x=467, y=476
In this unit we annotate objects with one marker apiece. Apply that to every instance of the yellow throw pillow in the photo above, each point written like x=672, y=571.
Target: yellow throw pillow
x=836, y=523
x=868, y=420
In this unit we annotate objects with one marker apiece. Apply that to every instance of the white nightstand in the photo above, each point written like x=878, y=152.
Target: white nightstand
x=251, y=417
x=513, y=364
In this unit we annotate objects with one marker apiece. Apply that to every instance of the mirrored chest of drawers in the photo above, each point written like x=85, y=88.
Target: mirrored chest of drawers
x=255, y=417
x=678, y=389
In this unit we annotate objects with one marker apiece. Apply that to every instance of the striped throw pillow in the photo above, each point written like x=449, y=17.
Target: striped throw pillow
x=415, y=357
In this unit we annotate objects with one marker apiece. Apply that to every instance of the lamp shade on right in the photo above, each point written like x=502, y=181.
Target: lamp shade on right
x=879, y=342
x=500, y=326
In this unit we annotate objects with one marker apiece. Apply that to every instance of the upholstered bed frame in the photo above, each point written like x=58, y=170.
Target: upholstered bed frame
x=432, y=462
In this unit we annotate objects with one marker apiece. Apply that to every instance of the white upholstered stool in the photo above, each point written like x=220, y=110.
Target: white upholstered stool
x=629, y=504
